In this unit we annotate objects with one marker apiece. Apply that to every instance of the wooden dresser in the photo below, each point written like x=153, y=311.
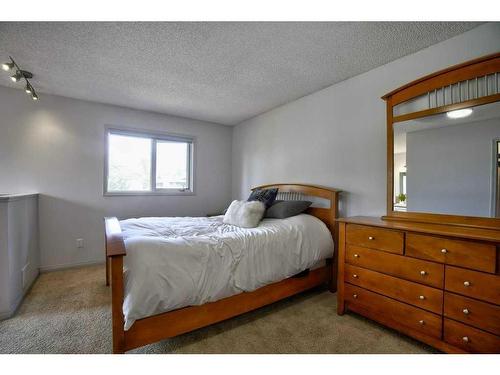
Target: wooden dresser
x=439, y=284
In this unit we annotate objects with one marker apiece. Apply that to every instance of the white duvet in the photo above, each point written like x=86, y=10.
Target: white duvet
x=174, y=262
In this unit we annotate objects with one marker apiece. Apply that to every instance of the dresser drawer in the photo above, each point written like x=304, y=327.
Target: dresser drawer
x=375, y=238
x=472, y=312
x=469, y=254
x=388, y=309
x=474, y=284
x=420, y=271
x=471, y=339
x=418, y=295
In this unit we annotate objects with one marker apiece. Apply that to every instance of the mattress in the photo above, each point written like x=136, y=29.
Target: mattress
x=174, y=262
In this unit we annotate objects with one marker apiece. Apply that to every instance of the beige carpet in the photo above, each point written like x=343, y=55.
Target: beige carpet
x=69, y=312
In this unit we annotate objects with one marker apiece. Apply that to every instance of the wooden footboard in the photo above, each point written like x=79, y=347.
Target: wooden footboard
x=155, y=328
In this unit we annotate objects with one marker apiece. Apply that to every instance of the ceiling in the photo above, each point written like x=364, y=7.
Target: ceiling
x=223, y=72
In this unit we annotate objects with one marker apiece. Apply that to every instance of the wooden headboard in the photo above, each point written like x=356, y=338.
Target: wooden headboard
x=326, y=215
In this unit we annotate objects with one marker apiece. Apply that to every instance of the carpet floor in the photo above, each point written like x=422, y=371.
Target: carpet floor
x=69, y=312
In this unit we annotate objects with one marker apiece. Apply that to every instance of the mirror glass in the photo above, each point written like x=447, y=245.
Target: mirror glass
x=449, y=163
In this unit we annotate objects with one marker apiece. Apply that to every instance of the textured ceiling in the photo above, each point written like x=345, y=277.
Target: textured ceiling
x=220, y=72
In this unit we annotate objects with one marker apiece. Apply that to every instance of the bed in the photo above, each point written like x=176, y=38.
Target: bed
x=173, y=275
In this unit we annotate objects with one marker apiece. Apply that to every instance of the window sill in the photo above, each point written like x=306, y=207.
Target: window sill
x=152, y=193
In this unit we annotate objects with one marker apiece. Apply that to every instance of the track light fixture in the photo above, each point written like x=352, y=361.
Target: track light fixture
x=20, y=74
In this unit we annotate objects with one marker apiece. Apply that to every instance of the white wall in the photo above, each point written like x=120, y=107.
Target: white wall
x=19, y=249
x=337, y=136
x=399, y=166
x=450, y=169
x=56, y=147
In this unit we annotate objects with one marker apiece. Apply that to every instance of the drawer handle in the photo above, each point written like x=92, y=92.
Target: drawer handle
x=421, y=297
x=423, y=273
x=422, y=322
x=465, y=339
x=466, y=283
x=371, y=238
x=444, y=251
x=355, y=276
x=356, y=255
x=466, y=311
x=354, y=296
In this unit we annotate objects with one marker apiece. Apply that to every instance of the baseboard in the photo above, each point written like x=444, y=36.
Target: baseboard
x=59, y=267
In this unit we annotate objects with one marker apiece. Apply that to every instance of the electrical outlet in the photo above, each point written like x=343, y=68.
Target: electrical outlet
x=79, y=243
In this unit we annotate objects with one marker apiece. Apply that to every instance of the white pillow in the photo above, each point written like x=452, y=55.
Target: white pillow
x=245, y=214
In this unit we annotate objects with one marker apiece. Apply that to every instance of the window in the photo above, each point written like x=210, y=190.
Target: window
x=142, y=163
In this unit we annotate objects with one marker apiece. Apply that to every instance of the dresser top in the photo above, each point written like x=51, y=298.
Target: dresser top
x=430, y=228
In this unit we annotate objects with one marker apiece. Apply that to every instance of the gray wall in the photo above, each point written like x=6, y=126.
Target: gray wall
x=337, y=137
x=56, y=147
x=450, y=169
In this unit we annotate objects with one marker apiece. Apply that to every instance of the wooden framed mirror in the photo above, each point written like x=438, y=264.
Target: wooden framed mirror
x=443, y=147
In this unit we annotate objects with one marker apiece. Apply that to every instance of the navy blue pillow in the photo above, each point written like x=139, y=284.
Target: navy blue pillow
x=266, y=196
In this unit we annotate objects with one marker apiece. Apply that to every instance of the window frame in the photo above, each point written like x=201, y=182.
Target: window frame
x=155, y=136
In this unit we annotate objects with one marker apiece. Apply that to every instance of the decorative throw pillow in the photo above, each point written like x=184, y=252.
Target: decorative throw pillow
x=244, y=214
x=284, y=209
x=266, y=196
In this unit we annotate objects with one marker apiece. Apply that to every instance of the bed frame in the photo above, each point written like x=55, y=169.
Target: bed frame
x=173, y=323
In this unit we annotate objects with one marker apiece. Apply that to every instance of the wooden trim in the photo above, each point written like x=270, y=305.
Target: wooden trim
x=440, y=229
x=114, y=239
x=465, y=66
x=299, y=187
x=108, y=265
x=174, y=323
x=457, y=220
x=446, y=108
x=341, y=270
x=458, y=73
x=117, y=293
x=390, y=156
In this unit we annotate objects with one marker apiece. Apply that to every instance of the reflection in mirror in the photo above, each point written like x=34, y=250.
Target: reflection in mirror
x=449, y=163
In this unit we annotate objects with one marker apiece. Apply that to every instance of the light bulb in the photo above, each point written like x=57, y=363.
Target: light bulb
x=459, y=113
x=16, y=77
x=7, y=66
x=28, y=89
x=34, y=96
